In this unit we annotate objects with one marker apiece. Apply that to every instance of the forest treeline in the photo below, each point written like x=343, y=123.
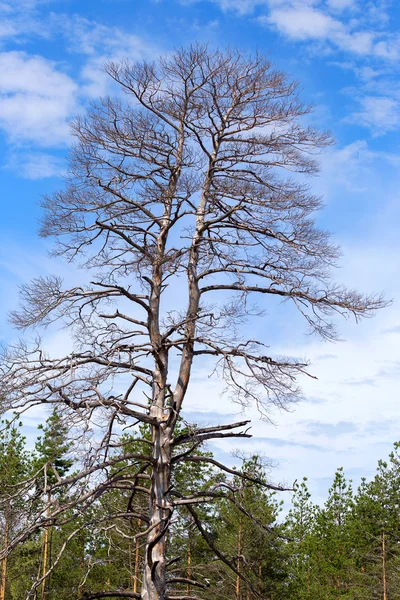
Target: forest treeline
x=241, y=547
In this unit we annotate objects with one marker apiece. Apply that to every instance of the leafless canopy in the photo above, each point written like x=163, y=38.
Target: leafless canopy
x=186, y=209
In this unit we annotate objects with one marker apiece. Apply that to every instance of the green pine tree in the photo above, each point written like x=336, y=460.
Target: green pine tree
x=14, y=468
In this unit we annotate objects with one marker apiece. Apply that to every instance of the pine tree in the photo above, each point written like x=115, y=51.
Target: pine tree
x=377, y=515
x=301, y=548
x=14, y=467
x=249, y=536
x=334, y=540
x=52, y=463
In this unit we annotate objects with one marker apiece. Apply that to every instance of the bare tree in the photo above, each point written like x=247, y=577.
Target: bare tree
x=185, y=208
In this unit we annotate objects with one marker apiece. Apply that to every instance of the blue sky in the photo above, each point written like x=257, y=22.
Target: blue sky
x=346, y=55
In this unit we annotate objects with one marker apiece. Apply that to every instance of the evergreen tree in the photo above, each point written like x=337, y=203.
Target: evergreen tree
x=334, y=539
x=377, y=516
x=301, y=547
x=14, y=467
x=249, y=537
x=52, y=463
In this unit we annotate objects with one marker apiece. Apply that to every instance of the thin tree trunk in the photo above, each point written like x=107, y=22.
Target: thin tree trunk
x=131, y=572
x=260, y=580
x=45, y=552
x=137, y=562
x=384, y=566
x=82, y=568
x=189, y=569
x=4, y=561
x=239, y=556
x=45, y=558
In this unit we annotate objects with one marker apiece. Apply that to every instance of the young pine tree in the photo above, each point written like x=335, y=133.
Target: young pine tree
x=14, y=467
x=51, y=463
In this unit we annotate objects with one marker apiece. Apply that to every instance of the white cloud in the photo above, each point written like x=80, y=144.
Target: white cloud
x=339, y=5
x=302, y=23
x=36, y=99
x=242, y=7
x=379, y=113
x=93, y=38
x=388, y=48
x=355, y=166
x=20, y=18
x=7, y=29
x=100, y=43
x=36, y=165
x=331, y=22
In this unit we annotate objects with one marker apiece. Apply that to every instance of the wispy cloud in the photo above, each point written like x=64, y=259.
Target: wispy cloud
x=355, y=166
x=333, y=430
x=395, y=329
x=241, y=7
x=364, y=381
x=379, y=113
x=36, y=165
x=281, y=443
x=36, y=98
x=99, y=43
x=21, y=18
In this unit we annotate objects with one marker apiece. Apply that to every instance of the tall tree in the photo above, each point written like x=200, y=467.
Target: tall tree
x=14, y=467
x=334, y=536
x=52, y=463
x=376, y=515
x=248, y=533
x=180, y=190
x=301, y=547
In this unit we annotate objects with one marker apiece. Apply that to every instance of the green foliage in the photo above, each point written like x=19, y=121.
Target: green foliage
x=52, y=447
x=13, y=457
x=346, y=549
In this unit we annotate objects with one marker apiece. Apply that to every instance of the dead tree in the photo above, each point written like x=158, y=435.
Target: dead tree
x=185, y=208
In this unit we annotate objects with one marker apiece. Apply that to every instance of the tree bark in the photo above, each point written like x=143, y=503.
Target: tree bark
x=45, y=552
x=4, y=561
x=384, y=566
x=239, y=557
x=137, y=562
x=154, y=579
x=189, y=567
x=45, y=558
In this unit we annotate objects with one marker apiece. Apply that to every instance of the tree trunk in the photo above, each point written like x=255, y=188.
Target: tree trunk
x=137, y=561
x=45, y=558
x=45, y=552
x=154, y=576
x=189, y=568
x=4, y=561
x=239, y=556
x=384, y=566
